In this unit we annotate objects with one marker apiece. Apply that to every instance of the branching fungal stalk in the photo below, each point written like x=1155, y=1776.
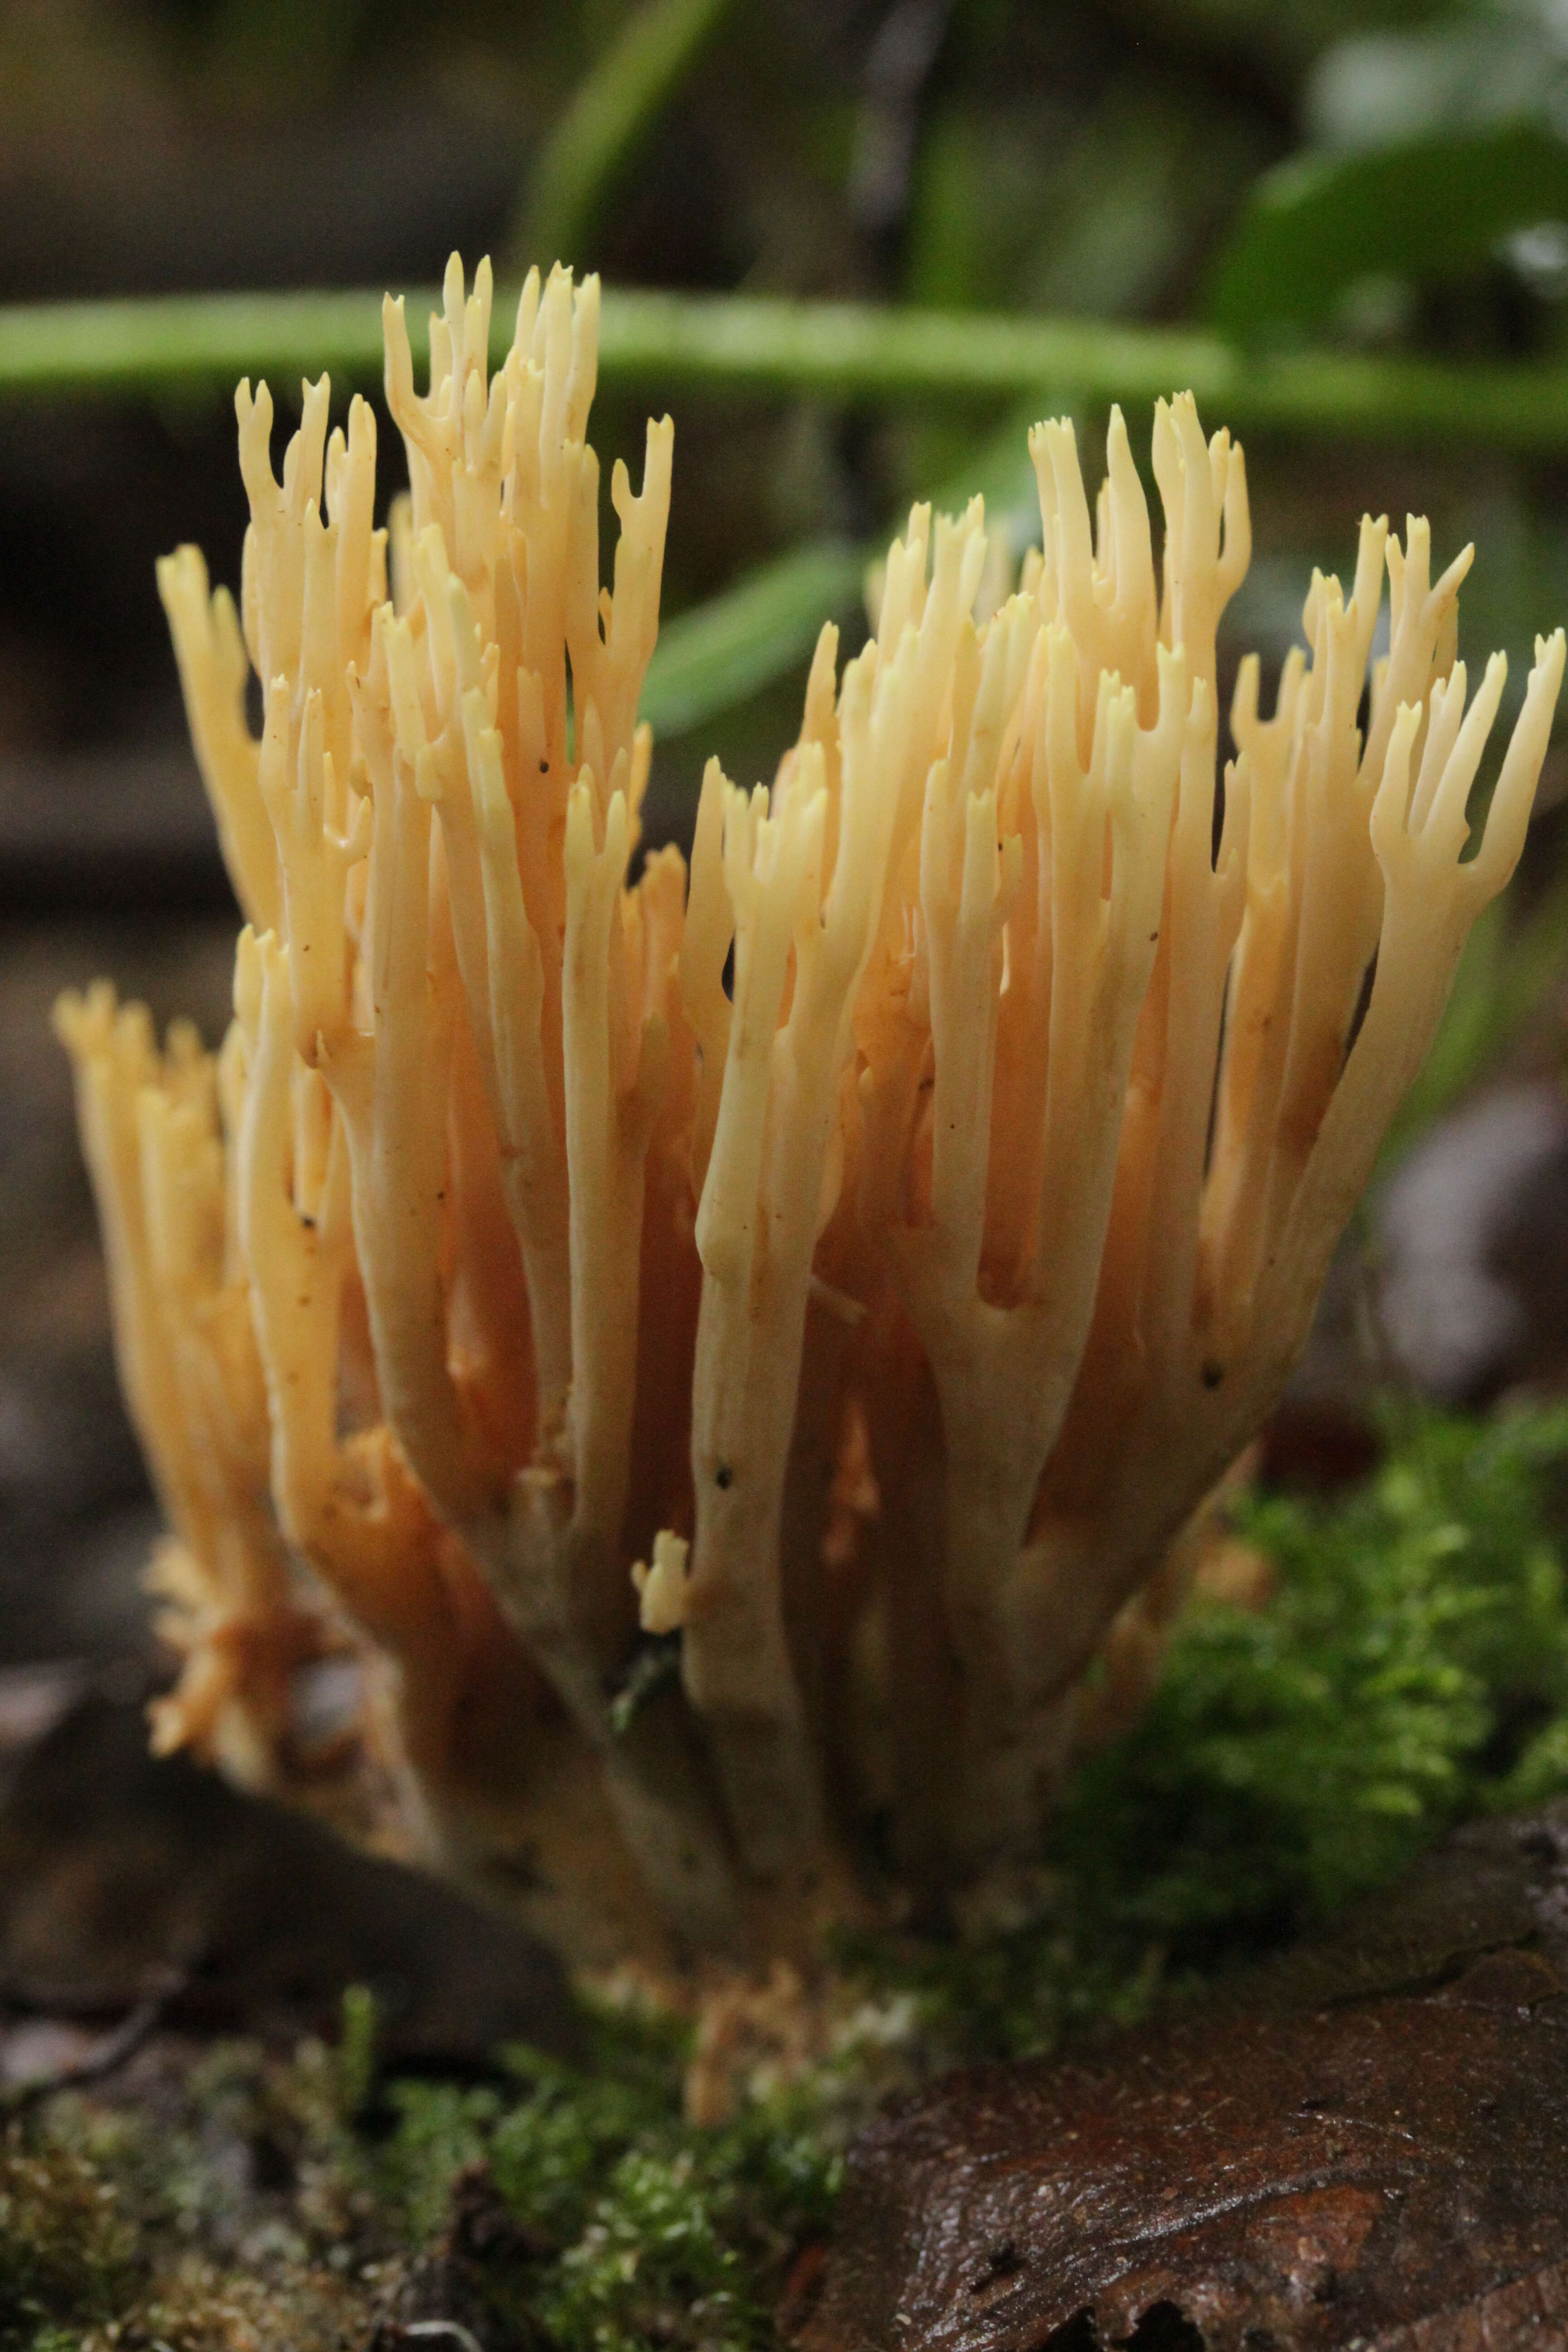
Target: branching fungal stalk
x=852, y=1268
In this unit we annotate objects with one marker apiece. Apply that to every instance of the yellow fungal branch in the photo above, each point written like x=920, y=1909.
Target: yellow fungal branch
x=727, y=1354
x=193, y=1380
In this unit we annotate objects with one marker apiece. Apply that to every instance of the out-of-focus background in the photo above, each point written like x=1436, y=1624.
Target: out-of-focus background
x=1387, y=179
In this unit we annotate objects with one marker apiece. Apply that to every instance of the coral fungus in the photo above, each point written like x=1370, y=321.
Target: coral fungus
x=727, y=1353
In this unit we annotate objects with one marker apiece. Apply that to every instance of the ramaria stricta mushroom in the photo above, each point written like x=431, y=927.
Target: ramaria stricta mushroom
x=726, y=1351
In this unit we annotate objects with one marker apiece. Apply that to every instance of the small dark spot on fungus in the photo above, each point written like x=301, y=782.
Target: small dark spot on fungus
x=1003, y=2260
x=724, y=1477
x=1212, y=1374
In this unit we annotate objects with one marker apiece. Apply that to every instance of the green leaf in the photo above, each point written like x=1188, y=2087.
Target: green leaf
x=716, y=655
x=713, y=657
x=1428, y=209
x=1380, y=89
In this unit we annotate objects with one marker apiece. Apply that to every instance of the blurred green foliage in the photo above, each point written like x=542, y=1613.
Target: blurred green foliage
x=612, y=111
x=1388, y=172
x=1433, y=154
x=1095, y=221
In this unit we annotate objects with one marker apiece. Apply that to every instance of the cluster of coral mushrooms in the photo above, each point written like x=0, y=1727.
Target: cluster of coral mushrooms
x=726, y=1351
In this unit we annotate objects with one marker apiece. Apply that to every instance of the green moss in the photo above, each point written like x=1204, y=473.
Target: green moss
x=67, y=2245
x=1411, y=1667
x=642, y=2229
x=356, y=2052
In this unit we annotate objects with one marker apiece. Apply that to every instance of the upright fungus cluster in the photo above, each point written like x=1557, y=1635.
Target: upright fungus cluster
x=726, y=1351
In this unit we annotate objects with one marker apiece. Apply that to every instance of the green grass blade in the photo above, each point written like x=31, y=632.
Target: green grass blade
x=714, y=655
x=197, y=343
x=612, y=111
x=855, y=352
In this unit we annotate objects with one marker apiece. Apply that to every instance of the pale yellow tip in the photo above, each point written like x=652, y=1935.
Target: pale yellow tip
x=661, y=1589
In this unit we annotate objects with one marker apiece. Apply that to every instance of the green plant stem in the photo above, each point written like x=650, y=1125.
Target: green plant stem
x=612, y=111
x=745, y=344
